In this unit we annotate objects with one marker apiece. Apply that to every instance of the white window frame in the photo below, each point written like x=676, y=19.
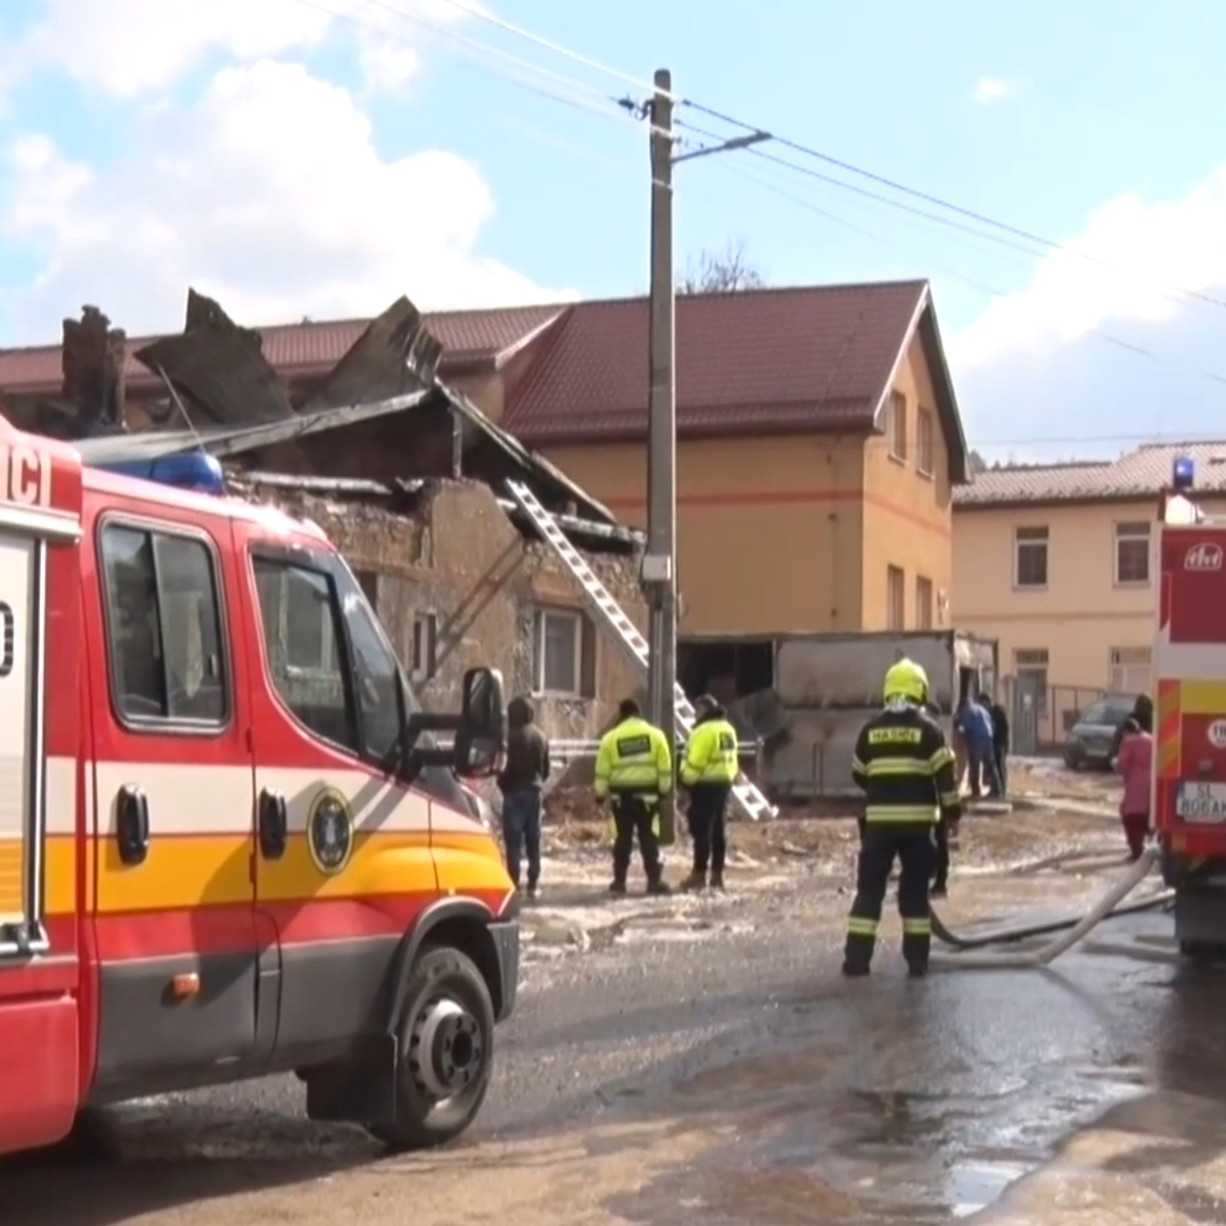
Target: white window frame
x=925, y=449
x=1118, y=666
x=575, y=618
x=1021, y=666
x=1130, y=530
x=1019, y=544
x=896, y=424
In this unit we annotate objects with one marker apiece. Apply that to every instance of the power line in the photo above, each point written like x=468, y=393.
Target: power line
x=807, y=150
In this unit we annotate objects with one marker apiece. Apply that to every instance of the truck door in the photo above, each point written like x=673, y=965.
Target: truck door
x=39, y=966
x=173, y=812
x=347, y=867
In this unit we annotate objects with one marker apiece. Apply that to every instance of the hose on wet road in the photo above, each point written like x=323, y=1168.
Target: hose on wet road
x=1111, y=904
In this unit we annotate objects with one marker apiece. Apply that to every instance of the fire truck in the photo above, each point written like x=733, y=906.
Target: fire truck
x=230, y=842
x=1189, y=779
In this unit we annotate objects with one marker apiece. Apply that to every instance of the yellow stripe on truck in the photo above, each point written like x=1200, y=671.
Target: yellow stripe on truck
x=1202, y=698
x=396, y=862
x=179, y=871
x=469, y=862
x=12, y=888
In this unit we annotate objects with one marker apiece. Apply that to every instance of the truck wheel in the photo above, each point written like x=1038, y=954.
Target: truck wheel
x=446, y=1050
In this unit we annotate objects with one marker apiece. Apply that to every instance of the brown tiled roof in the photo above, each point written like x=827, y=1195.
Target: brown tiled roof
x=467, y=337
x=1143, y=473
x=805, y=358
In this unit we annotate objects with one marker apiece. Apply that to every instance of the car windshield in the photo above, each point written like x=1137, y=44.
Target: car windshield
x=1107, y=713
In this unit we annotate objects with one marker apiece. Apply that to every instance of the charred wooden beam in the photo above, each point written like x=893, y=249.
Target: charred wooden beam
x=93, y=359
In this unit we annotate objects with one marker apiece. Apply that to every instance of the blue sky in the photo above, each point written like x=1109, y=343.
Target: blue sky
x=295, y=162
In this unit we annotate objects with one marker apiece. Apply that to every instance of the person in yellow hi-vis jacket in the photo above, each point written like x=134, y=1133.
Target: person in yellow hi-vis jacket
x=633, y=770
x=709, y=769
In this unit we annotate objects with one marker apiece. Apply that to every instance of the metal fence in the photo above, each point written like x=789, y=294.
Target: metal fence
x=1042, y=716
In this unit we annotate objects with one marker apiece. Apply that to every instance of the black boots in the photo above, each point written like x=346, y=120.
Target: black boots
x=695, y=881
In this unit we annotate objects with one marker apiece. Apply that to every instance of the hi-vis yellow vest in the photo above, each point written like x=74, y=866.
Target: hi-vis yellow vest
x=711, y=755
x=634, y=757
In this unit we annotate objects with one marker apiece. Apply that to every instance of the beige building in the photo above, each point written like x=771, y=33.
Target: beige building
x=1056, y=562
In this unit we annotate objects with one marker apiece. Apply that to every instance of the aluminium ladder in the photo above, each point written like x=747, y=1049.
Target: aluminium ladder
x=745, y=793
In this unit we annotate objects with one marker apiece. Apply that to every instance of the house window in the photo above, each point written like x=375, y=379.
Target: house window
x=1030, y=664
x=897, y=425
x=923, y=603
x=1031, y=557
x=563, y=653
x=425, y=646
x=1132, y=553
x=163, y=627
x=1130, y=670
x=894, y=593
x=925, y=442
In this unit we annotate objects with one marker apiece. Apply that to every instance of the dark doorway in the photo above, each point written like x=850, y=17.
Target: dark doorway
x=727, y=669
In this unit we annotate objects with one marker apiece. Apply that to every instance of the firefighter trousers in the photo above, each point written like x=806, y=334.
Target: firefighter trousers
x=634, y=813
x=916, y=851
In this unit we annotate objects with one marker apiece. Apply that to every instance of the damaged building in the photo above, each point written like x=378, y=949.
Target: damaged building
x=406, y=476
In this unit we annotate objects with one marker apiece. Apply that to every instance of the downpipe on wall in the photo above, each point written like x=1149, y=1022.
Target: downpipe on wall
x=1111, y=904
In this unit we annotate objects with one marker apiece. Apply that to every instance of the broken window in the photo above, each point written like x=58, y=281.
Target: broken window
x=923, y=603
x=925, y=443
x=425, y=646
x=164, y=626
x=897, y=425
x=895, y=613
x=1030, y=548
x=1132, y=553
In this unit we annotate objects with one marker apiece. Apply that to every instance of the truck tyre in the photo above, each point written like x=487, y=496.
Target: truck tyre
x=446, y=1050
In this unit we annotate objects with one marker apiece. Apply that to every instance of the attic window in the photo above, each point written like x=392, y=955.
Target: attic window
x=896, y=425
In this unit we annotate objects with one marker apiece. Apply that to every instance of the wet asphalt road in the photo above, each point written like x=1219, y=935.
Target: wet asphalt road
x=920, y=1101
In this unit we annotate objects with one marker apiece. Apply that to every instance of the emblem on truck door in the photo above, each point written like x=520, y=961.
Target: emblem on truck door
x=1217, y=734
x=330, y=832
x=1203, y=557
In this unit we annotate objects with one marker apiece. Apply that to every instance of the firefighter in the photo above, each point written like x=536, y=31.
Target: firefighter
x=633, y=770
x=906, y=769
x=709, y=769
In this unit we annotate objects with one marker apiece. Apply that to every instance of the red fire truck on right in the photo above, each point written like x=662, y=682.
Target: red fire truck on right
x=1189, y=799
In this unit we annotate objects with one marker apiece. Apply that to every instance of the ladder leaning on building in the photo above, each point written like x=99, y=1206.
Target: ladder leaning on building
x=746, y=795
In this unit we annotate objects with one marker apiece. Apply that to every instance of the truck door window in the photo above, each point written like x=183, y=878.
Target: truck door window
x=164, y=627
x=302, y=644
x=376, y=681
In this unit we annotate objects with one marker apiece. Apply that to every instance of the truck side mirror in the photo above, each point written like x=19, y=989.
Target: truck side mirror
x=481, y=736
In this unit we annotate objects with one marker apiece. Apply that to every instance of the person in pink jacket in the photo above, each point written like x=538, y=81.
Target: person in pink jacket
x=1133, y=763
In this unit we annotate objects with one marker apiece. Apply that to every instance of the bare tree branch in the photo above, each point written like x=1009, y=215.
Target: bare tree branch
x=721, y=272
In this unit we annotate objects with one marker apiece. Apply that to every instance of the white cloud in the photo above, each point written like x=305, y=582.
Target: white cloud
x=269, y=193
x=989, y=90
x=1129, y=263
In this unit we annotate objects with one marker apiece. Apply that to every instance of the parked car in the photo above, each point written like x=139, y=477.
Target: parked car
x=1094, y=740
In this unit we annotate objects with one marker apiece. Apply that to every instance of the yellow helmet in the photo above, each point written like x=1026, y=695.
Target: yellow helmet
x=906, y=679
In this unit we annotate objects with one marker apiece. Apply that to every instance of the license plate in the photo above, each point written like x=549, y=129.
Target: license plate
x=1201, y=802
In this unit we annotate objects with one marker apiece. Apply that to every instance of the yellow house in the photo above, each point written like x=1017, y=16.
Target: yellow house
x=1056, y=563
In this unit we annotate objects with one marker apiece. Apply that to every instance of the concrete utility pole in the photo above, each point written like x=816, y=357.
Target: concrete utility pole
x=659, y=565
x=659, y=562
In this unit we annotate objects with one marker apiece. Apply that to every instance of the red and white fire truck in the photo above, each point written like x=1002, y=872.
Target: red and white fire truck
x=1189, y=798
x=229, y=844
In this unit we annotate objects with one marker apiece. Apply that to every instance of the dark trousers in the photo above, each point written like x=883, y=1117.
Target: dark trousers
x=916, y=850
x=983, y=768
x=1002, y=766
x=636, y=814
x=521, y=828
x=941, y=856
x=706, y=817
x=1136, y=826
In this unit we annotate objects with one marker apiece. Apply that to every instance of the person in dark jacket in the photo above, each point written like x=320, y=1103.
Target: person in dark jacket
x=1000, y=739
x=527, y=767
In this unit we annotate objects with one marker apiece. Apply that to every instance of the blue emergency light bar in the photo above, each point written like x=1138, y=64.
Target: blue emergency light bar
x=197, y=470
x=1184, y=474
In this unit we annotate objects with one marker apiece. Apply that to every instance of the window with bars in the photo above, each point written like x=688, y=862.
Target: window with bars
x=1030, y=557
x=1132, y=553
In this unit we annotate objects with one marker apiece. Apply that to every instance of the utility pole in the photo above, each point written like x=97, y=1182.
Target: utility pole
x=659, y=563
x=660, y=560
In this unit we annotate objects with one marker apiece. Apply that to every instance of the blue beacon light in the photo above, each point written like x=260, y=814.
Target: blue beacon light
x=196, y=470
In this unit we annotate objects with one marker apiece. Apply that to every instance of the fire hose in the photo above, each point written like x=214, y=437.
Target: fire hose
x=1111, y=904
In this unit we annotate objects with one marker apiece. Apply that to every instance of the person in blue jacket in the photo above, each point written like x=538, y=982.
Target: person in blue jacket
x=975, y=724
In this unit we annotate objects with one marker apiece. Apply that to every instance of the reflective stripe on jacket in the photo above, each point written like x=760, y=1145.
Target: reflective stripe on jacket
x=711, y=755
x=634, y=757
x=906, y=769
